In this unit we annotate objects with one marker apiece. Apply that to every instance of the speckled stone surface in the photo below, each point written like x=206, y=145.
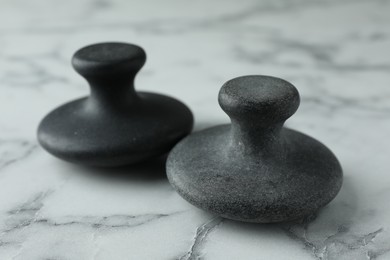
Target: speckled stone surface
x=255, y=170
x=115, y=125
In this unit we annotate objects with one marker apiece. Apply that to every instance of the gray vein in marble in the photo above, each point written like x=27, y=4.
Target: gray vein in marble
x=375, y=104
x=172, y=26
x=22, y=217
x=12, y=151
x=200, y=239
x=27, y=215
x=112, y=221
x=34, y=75
x=339, y=244
x=334, y=104
x=322, y=54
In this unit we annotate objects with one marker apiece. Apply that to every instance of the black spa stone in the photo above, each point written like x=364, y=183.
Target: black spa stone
x=115, y=125
x=254, y=169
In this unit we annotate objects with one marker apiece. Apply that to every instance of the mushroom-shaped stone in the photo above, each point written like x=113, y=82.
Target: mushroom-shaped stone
x=115, y=125
x=254, y=169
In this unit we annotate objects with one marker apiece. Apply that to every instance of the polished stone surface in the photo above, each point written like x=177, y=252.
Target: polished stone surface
x=336, y=52
x=115, y=125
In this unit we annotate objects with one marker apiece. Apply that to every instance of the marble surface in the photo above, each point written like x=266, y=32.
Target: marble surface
x=335, y=52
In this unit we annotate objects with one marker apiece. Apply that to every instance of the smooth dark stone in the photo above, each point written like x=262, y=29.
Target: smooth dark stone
x=254, y=169
x=115, y=125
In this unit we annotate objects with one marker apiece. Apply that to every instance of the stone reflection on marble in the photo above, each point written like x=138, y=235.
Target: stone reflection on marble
x=335, y=52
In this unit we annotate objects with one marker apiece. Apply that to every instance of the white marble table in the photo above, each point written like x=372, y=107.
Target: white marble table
x=335, y=52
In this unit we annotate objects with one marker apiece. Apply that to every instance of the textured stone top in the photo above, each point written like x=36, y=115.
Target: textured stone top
x=259, y=96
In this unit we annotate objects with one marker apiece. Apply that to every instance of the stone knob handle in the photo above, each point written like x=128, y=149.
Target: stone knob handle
x=259, y=100
x=258, y=106
x=110, y=69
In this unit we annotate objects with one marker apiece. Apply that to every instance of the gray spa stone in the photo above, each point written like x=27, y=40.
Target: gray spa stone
x=254, y=169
